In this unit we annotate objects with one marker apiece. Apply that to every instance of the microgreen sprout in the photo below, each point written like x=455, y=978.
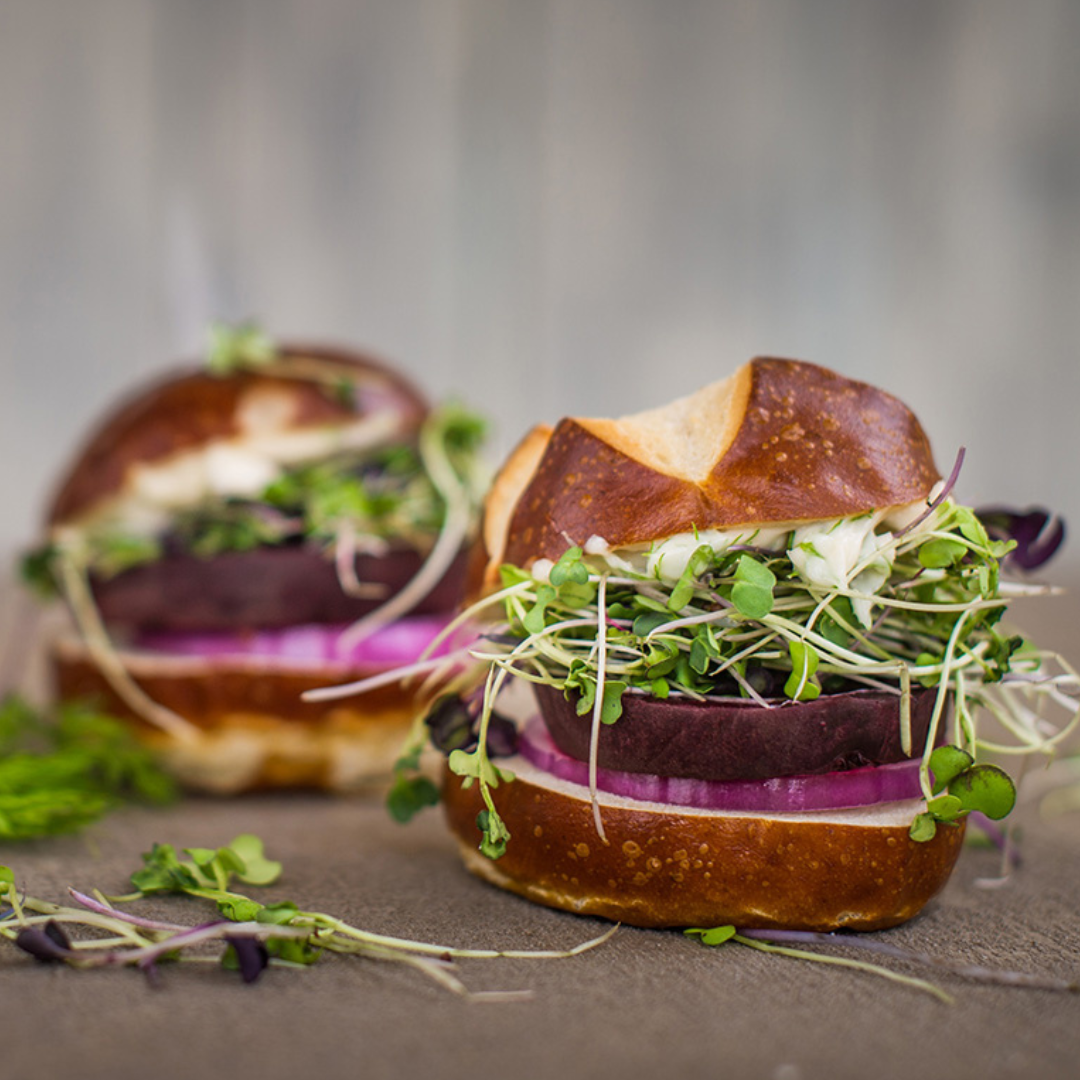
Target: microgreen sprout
x=411, y=790
x=74, y=576
x=234, y=348
x=960, y=787
x=477, y=766
x=252, y=935
x=784, y=942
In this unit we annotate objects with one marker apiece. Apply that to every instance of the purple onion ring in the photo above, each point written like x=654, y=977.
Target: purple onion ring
x=778, y=795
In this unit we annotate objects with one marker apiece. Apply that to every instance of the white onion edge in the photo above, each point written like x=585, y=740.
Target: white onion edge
x=898, y=813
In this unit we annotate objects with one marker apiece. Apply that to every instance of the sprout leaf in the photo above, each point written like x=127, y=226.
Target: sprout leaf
x=985, y=788
x=947, y=763
x=717, y=935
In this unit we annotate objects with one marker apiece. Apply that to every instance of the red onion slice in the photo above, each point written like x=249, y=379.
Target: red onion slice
x=399, y=643
x=779, y=795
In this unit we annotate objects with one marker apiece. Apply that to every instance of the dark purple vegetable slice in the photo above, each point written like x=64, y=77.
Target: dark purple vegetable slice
x=778, y=795
x=264, y=588
x=1038, y=535
x=734, y=739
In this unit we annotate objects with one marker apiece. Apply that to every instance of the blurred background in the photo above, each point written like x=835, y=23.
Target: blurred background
x=549, y=207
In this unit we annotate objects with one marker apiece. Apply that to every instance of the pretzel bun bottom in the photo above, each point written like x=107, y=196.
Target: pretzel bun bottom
x=666, y=866
x=251, y=730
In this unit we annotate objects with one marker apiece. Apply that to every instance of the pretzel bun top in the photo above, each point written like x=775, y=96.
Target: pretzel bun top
x=306, y=401
x=779, y=441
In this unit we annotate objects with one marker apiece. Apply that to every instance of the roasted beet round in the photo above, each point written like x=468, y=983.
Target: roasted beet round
x=734, y=739
x=264, y=588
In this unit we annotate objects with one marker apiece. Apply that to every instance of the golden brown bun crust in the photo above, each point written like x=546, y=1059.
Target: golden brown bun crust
x=187, y=410
x=254, y=729
x=681, y=869
x=795, y=442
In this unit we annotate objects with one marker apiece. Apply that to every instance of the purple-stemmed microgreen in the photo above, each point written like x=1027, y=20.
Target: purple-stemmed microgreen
x=939, y=496
x=101, y=907
x=47, y=943
x=786, y=942
x=252, y=936
x=975, y=972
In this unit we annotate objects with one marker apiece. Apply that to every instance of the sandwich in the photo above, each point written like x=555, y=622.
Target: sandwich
x=235, y=532
x=758, y=630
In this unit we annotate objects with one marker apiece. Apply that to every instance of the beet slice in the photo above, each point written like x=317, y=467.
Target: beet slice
x=734, y=739
x=259, y=589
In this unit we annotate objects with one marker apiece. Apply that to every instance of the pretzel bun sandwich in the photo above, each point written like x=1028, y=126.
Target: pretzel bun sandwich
x=757, y=629
x=234, y=534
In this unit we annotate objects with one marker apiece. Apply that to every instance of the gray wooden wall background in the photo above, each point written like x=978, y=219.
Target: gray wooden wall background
x=551, y=206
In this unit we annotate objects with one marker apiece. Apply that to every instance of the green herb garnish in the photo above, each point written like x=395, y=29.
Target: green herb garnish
x=411, y=791
x=58, y=776
x=234, y=348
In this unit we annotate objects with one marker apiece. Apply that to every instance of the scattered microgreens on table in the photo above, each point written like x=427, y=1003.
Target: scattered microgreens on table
x=58, y=775
x=784, y=942
x=917, y=603
x=253, y=935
